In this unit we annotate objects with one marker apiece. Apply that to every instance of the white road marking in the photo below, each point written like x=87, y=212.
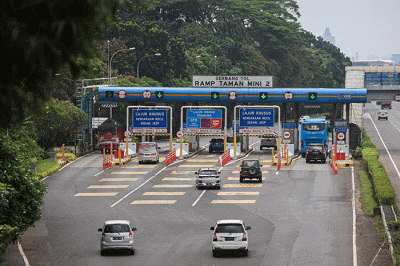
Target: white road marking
x=23, y=254
x=201, y=195
x=353, y=205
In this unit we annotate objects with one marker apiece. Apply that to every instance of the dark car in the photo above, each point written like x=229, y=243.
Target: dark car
x=216, y=144
x=316, y=152
x=250, y=169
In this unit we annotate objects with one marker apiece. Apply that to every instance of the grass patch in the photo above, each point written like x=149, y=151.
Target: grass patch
x=46, y=167
x=367, y=194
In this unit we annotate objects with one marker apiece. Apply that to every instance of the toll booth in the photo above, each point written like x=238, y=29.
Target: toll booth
x=341, y=136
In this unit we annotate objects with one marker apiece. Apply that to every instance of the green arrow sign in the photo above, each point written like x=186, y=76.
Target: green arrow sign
x=312, y=96
x=215, y=95
x=159, y=94
x=264, y=96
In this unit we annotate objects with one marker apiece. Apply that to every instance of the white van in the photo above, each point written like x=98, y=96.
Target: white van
x=148, y=152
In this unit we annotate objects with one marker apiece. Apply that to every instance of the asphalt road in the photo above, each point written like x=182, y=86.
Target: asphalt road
x=385, y=135
x=300, y=216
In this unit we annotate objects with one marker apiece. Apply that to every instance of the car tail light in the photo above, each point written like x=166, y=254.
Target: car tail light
x=325, y=143
x=211, y=143
x=215, y=237
x=140, y=154
x=302, y=144
x=308, y=150
x=153, y=154
x=244, y=238
x=103, y=234
x=130, y=234
x=322, y=150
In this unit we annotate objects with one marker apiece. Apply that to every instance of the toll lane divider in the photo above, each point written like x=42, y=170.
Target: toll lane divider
x=225, y=157
x=171, y=157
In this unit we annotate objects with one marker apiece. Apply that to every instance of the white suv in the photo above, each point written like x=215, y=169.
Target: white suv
x=230, y=235
x=117, y=234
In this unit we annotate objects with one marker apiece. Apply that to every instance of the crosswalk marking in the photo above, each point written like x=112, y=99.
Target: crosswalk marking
x=242, y=185
x=104, y=194
x=237, y=178
x=203, y=160
x=164, y=193
x=178, y=179
x=109, y=186
x=196, y=165
x=153, y=202
x=128, y=173
x=233, y=201
x=182, y=172
x=170, y=186
x=235, y=172
x=237, y=193
x=265, y=161
x=116, y=179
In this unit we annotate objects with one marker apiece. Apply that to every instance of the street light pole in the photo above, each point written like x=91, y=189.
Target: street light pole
x=110, y=73
x=137, y=69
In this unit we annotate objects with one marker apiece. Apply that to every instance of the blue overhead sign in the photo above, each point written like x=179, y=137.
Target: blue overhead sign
x=256, y=117
x=149, y=118
x=204, y=118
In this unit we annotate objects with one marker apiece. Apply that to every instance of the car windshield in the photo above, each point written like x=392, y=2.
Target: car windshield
x=229, y=228
x=217, y=140
x=315, y=147
x=207, y=172
x=250, y=164
x=116, y=228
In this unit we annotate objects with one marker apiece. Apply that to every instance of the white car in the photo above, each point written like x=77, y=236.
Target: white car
x=383, y=115
x=148, y=152
x=230, y=235
x=117, y=234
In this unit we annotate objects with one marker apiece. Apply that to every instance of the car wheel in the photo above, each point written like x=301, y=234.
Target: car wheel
x=260, y=180
x=241, y=179
x=219, y=187
x=324, y=161
x=307, y=161
x=132, y=252
x=209, y=151
x=246, y=252
x=102, y=252
x=215, y=253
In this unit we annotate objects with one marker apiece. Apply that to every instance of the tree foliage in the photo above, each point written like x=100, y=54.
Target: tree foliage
x=41, y=37
x=57, y=122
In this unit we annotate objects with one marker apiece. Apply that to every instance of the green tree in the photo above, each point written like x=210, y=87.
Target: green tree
x=21, y=192
x=42, y=37
x=57, y=122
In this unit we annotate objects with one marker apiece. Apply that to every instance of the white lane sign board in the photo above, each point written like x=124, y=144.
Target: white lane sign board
x=232, y=81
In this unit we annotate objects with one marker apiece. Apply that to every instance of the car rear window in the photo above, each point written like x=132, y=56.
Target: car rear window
x=229, y=228
x=207, y=172
x=315, y=147
x=250, y=164
x=313, y=127
x=116, y=228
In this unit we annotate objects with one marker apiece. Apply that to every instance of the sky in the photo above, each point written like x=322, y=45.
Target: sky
x=369, y=27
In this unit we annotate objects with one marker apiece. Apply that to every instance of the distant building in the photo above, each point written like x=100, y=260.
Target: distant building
x=373, y=63
x=327, y=36
x=396, y=58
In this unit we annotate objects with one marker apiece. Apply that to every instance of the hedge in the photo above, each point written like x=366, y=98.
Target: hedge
x=383, y=188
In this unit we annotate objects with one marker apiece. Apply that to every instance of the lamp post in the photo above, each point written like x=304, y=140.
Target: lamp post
x=109, y=77
x=137, y=69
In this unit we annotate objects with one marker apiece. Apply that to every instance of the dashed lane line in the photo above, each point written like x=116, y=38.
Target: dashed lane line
x=109, y=186
x=178, y=179
x=117, y=179
x=242, y=185
x=179, y=193
x=104, y=194
x=172, y=186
